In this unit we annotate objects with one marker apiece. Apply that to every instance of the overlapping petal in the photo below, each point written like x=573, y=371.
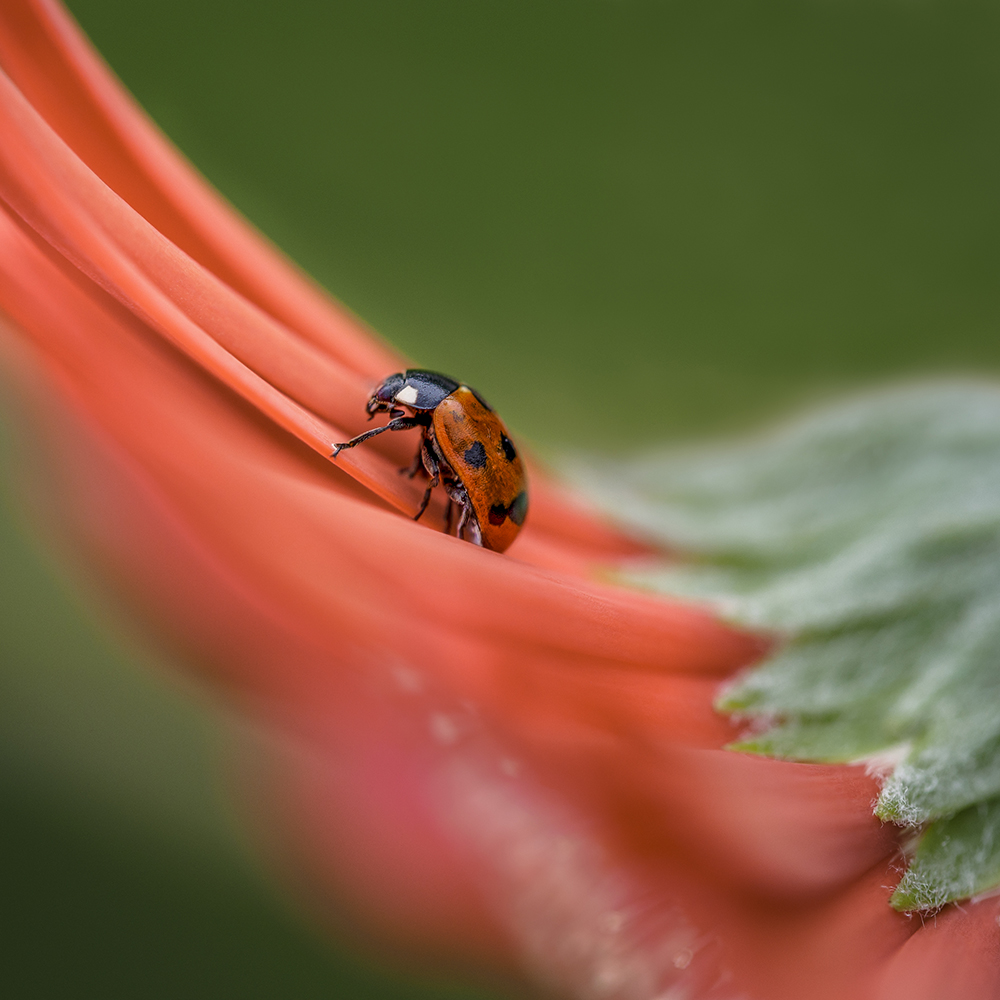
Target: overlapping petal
x=497, y=757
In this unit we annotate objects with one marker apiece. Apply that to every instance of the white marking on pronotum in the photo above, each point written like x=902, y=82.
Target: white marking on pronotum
x=408, y=395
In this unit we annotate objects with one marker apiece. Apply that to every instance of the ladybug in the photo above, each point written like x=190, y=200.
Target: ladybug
x=465, y=448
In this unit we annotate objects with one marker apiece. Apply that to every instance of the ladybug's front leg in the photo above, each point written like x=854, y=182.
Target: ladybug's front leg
x=398, y=424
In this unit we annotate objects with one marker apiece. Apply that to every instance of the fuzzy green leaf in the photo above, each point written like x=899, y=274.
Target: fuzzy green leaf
x=868, y=535
x=955, y=858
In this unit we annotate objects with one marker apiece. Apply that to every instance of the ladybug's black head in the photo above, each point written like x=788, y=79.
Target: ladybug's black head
x=384, y=396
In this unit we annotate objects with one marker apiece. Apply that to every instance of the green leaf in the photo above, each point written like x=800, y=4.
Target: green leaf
x=867, y=537
x=955, y=858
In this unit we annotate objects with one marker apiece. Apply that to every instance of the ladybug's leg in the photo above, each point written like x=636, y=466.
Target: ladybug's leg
x=419, y=463
x=429, y=459
x=468, y=527
x=431, y=465
x=463, y=520
x=399, y=424
x=472, y=527
x=415, y=466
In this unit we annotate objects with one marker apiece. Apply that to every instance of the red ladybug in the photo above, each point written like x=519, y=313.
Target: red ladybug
x=465, y=448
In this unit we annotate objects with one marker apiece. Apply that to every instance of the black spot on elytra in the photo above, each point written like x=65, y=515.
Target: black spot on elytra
x=498, y=514
x=475, y=455
x=508, y=448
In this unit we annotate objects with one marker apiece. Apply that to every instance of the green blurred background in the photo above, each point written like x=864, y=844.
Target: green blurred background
x=623, y=221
